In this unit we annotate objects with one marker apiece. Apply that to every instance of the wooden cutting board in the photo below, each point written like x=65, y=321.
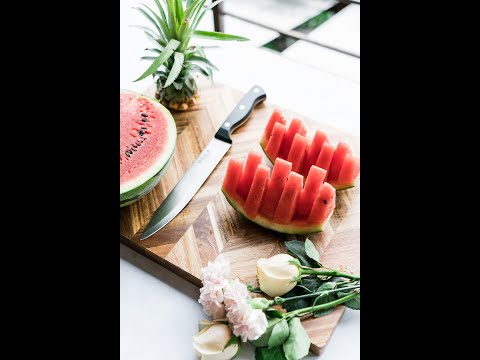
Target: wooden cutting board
x=209, y=226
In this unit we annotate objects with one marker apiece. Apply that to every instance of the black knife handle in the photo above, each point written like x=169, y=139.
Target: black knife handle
x=240, y=114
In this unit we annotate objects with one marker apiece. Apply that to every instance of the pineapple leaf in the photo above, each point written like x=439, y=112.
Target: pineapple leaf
x=209, y=70
x=202, y=60
x=158, y=51
x=179, y=10
x=144, y=13
x=172, y=21
x=184, y=30
x=189, y=82
x=213, y=35
x=163, y=26
x=189, y=2
x=215, y=3
x=196, y=68
x=177, y=85
x=148, y=58
x=176, y=68
x=160, y=8
x=166, y=53
x=159, y=42
x=147, y=30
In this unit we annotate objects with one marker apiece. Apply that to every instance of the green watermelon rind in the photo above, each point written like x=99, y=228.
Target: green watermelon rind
x=284, y=229
x=136, y=190
x=337, y=187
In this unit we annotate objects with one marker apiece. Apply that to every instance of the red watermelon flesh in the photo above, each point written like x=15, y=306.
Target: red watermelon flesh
x=325, y=157
x=349, y=173
x=275, y=141
x=314, y=150
x=147, y=142
x=276, y=117
x=296, y=127
x=337, y=160
x=287, y=204
x=319, y=152
x=323, y=205
x=232, y=176
x=313, y=184
x=275, y=187
x=297, y=152
x=276, y=202
x=248, y=173
x=257, y=191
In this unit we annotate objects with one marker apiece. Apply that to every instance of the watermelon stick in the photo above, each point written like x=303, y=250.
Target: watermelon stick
x=312, y=309
x=279, y=300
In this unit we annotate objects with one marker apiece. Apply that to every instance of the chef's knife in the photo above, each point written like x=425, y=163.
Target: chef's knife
x=203, y=166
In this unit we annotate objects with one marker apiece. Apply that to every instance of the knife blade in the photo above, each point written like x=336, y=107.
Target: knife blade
x=204, y=164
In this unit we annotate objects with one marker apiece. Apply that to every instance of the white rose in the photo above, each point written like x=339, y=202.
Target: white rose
x=275, y=274
x=210, y=343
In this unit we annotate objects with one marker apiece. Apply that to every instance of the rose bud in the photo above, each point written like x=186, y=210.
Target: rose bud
x=211, y=343
x=275, y=275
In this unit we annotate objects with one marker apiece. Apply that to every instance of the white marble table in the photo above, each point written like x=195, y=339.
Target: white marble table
x=158, y=309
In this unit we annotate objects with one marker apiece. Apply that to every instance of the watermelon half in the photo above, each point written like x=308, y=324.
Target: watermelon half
x=147, y=140
x=290, y=143
x=279, y=201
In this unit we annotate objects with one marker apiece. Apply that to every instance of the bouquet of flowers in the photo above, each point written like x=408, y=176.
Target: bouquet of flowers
x=295, y=285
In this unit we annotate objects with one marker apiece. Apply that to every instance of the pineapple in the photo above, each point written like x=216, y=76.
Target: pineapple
x=176, y=61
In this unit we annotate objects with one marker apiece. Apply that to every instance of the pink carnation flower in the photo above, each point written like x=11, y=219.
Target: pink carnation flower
x=215, y=278
x=246, y=322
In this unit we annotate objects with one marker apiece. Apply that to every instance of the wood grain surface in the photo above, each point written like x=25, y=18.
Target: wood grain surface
x=209, y=226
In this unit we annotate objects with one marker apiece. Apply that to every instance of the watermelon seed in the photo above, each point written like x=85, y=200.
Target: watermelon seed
x=325, y=201
x=144, y=120
x=141, y=132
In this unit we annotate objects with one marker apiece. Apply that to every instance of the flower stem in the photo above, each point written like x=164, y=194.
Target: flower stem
x=305, y=271
x=312, y=309
x=280, y=300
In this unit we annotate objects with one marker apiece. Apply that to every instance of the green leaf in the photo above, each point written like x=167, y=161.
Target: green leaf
x=149, y=18
x=148, y=58
x=176, y=68
x=158, y=51
x=297, y=249
x=213, y=4
x=172, y=22
x=163, y=25
x=323, y=299
x=178, y=86
x=195, y=58
x=166, y=53
x=156, y=41
x=353, y=303
x=162, y=13
x=233, y=340
x=153, y=33
x=189, y=2
x=179, y=10
x=311, y=282
x=273, y=313
x=297, y=345
x=270, y=354
x=213, y=35
x=279, y=334
x=297, y=303
x=311, y=250
x=197, y=68
x=262, y=341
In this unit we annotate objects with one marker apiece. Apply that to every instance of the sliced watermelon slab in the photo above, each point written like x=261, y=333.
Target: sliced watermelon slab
x=279, y=201
x=147, y=141
x=291, y=144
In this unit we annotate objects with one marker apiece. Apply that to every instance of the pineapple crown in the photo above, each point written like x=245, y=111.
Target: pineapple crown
x=175, y=61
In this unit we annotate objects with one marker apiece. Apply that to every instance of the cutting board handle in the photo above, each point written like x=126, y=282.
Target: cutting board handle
x=240, y=113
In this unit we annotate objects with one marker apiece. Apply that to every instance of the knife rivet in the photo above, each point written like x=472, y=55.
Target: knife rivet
x=242, y=107
x=256, y=90
x=227, y=124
